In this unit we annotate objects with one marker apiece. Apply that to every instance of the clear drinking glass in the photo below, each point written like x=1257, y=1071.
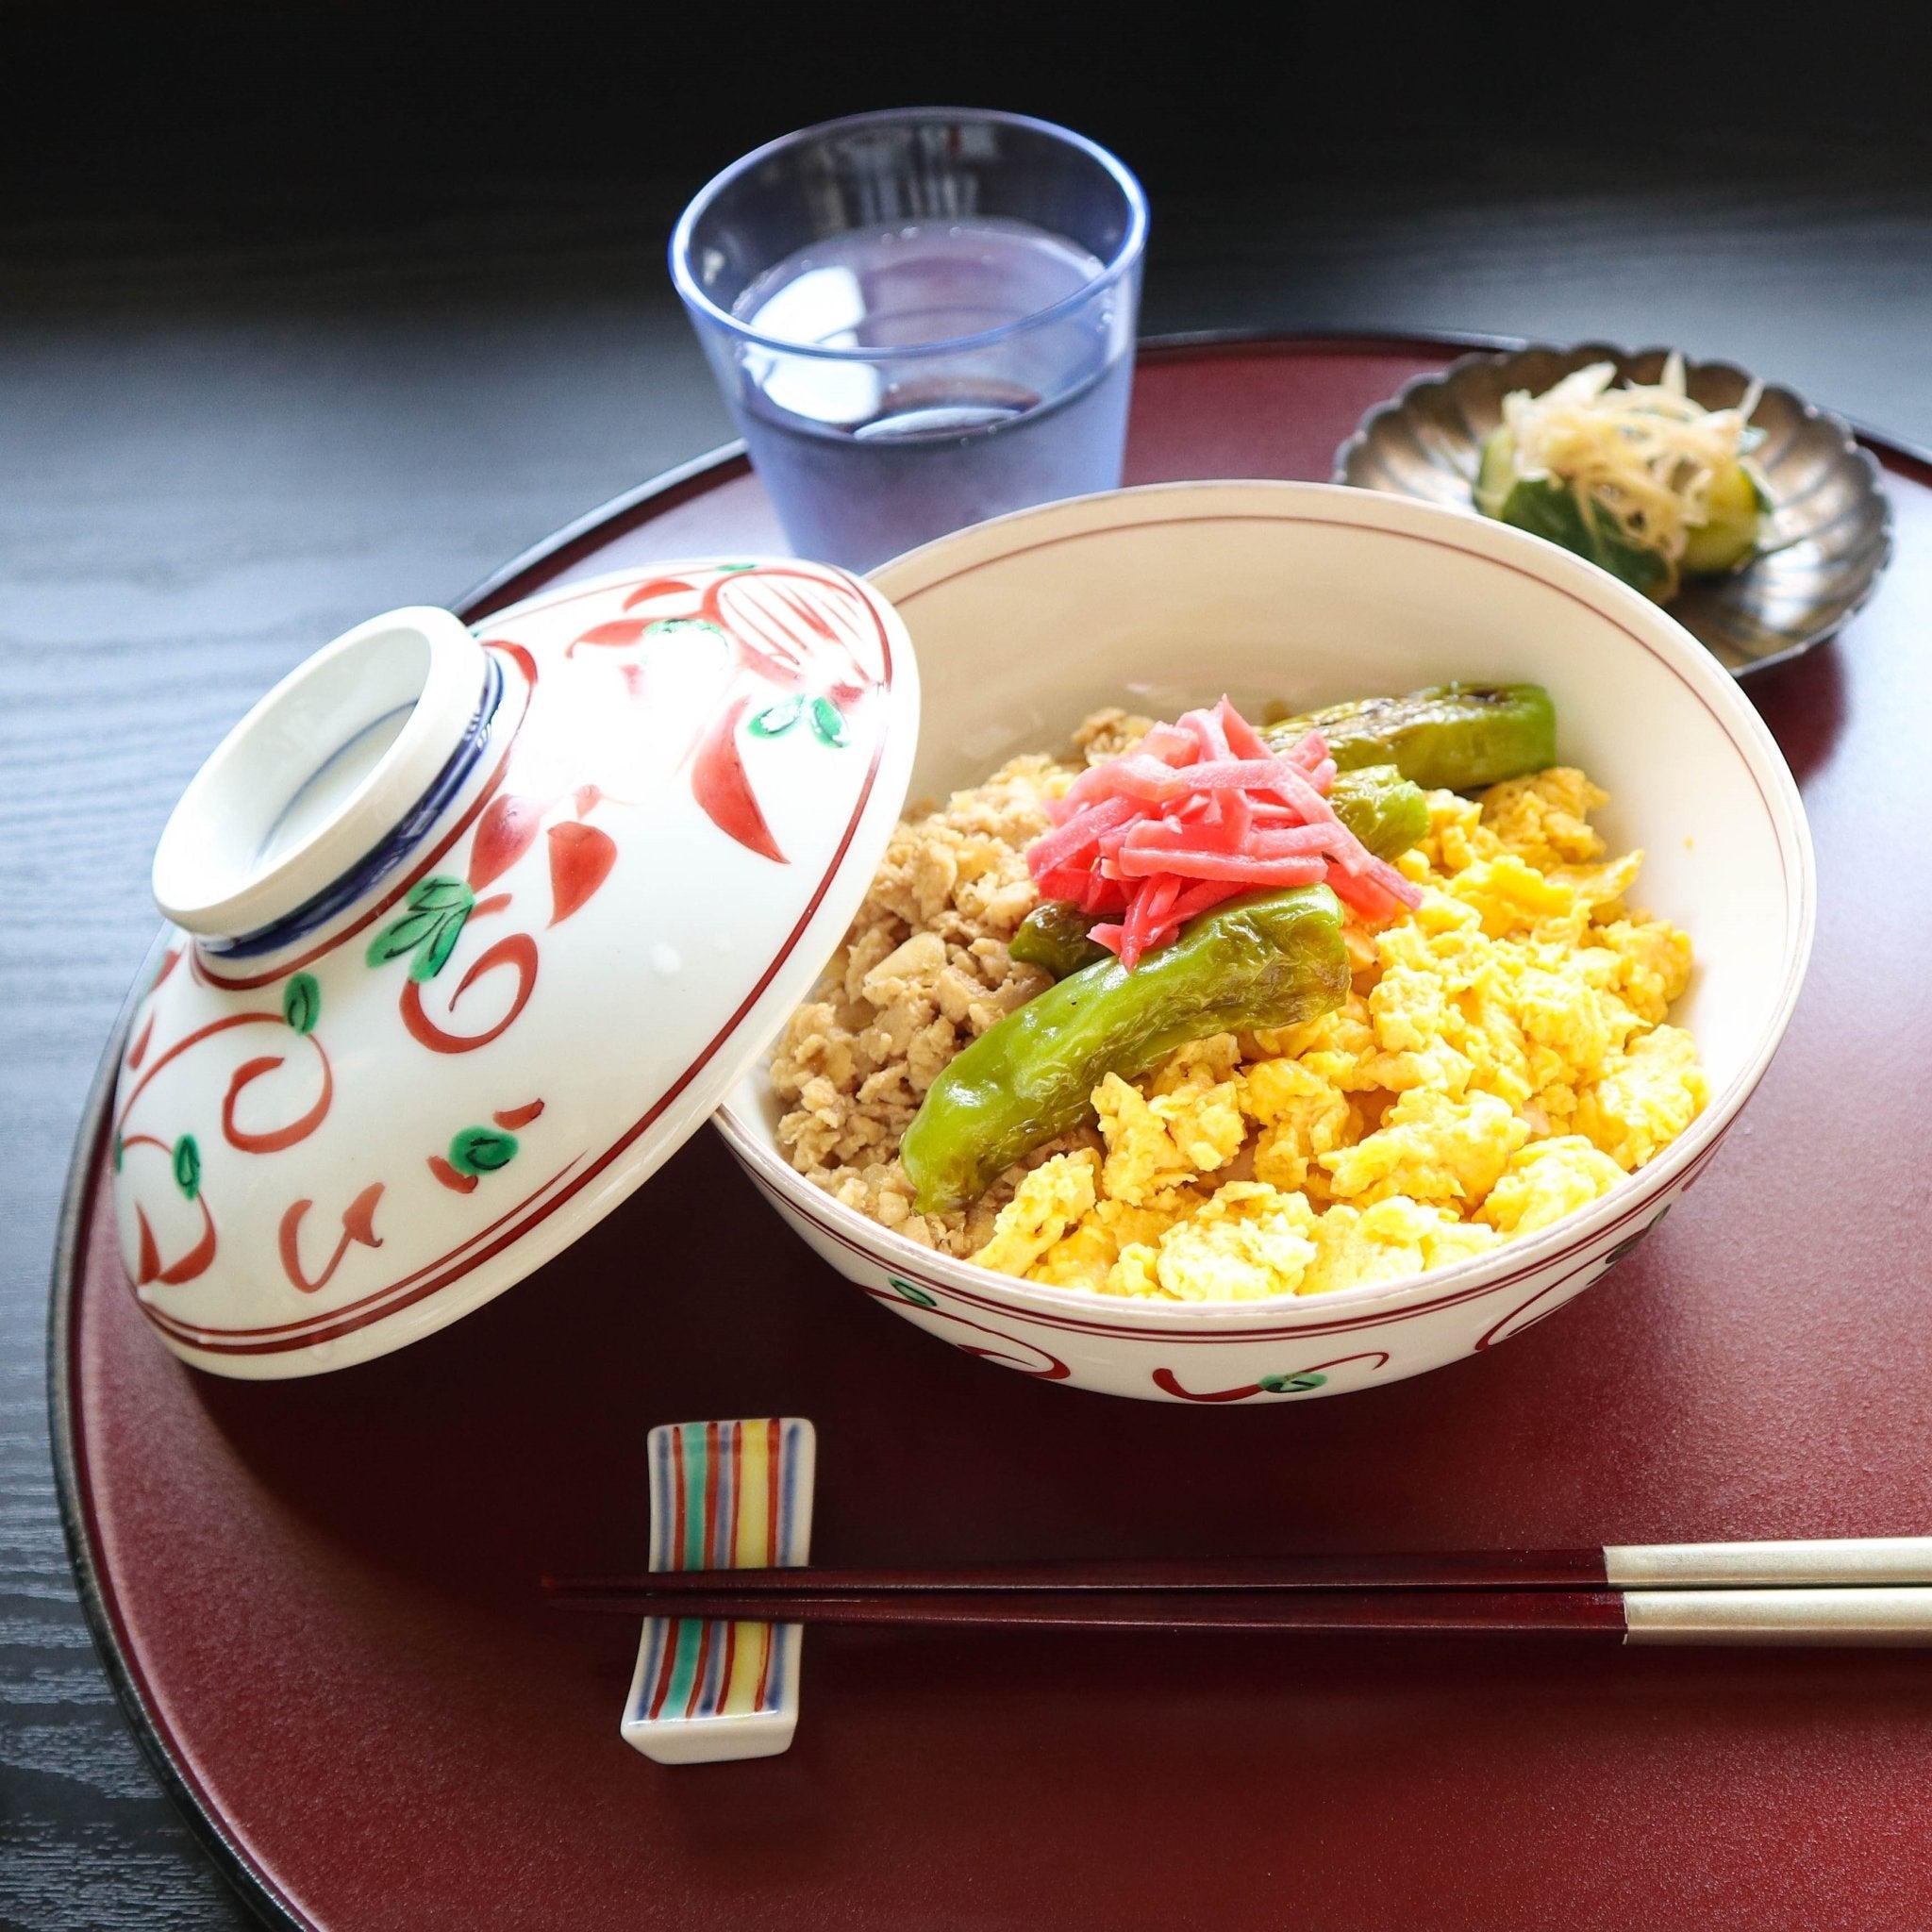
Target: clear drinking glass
x=920, y=318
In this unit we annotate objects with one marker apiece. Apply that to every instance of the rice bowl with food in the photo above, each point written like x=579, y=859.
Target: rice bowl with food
x=1149, y=603
x=1493, y=1052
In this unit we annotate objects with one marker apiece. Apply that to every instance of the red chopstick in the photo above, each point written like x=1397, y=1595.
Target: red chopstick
x=1309, y=1612
x=1490, y=1570
x=1830, y=1590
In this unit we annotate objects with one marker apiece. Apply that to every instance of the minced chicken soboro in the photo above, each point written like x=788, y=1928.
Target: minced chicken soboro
x=1503, y=1059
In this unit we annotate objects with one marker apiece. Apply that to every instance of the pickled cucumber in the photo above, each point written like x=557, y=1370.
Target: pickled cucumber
x=1549, y=508
x=1733, y=529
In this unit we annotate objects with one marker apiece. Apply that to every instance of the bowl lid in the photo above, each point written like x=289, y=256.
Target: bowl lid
x=472, y=931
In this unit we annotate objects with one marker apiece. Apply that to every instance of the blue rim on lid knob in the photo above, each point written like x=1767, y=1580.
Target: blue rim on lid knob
x=321, y=774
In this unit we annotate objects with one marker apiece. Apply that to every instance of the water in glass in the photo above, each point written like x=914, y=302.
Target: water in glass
x=870, y=458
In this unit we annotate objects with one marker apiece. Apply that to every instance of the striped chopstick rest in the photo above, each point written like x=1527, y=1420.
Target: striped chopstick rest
x=724, y=1495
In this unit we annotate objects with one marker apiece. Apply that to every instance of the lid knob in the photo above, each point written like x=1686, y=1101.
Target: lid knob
x=315, y=780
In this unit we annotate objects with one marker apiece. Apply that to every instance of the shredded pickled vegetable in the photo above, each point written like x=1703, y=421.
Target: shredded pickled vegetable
x=1646, y=454
x=1198, y=811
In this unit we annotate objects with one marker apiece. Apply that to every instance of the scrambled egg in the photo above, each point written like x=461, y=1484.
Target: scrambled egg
x=1504, y=1057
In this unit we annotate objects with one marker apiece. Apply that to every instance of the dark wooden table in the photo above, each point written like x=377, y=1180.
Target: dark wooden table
x=214, y=457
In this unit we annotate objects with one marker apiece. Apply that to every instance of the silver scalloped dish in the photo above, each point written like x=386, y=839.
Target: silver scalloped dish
x=1831, y=523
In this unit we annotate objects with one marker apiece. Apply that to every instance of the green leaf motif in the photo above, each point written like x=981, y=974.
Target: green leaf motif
x=1292, y=1385
x=777, y=720
x=432, y=958
x=302, y=1002
x=482, y=1150
x=188, y=1166
x=119, y=1151
x=438, y=910
x=397, y=941
x=917, y=1296
x=724, y=568
x=828, y=721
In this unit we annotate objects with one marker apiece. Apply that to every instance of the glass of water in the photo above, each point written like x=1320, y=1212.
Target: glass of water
x=920, y=319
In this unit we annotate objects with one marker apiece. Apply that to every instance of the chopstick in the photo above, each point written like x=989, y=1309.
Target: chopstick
x=1848, y=1561
x=1306, y=1611
x=1851, y=1590
x=1882, y=1615
x=1441, y=1570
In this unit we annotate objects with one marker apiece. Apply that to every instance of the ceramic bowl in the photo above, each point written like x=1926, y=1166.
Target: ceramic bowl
x=1167, y=597
x=1831, y=525
x=391, y=1058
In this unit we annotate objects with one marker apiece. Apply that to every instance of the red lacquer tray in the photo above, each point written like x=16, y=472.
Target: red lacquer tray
x=317, y=1599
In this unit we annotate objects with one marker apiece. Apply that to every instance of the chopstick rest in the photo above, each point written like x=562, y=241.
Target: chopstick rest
x=724, y=1495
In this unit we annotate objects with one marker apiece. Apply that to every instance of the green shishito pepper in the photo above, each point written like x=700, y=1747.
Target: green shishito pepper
x=1388, y=812
x=1265, y=960
x=1054, y=938
x=1449, y=736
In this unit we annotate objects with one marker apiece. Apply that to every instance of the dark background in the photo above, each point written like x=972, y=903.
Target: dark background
x=311, y=311
x=350, y=109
